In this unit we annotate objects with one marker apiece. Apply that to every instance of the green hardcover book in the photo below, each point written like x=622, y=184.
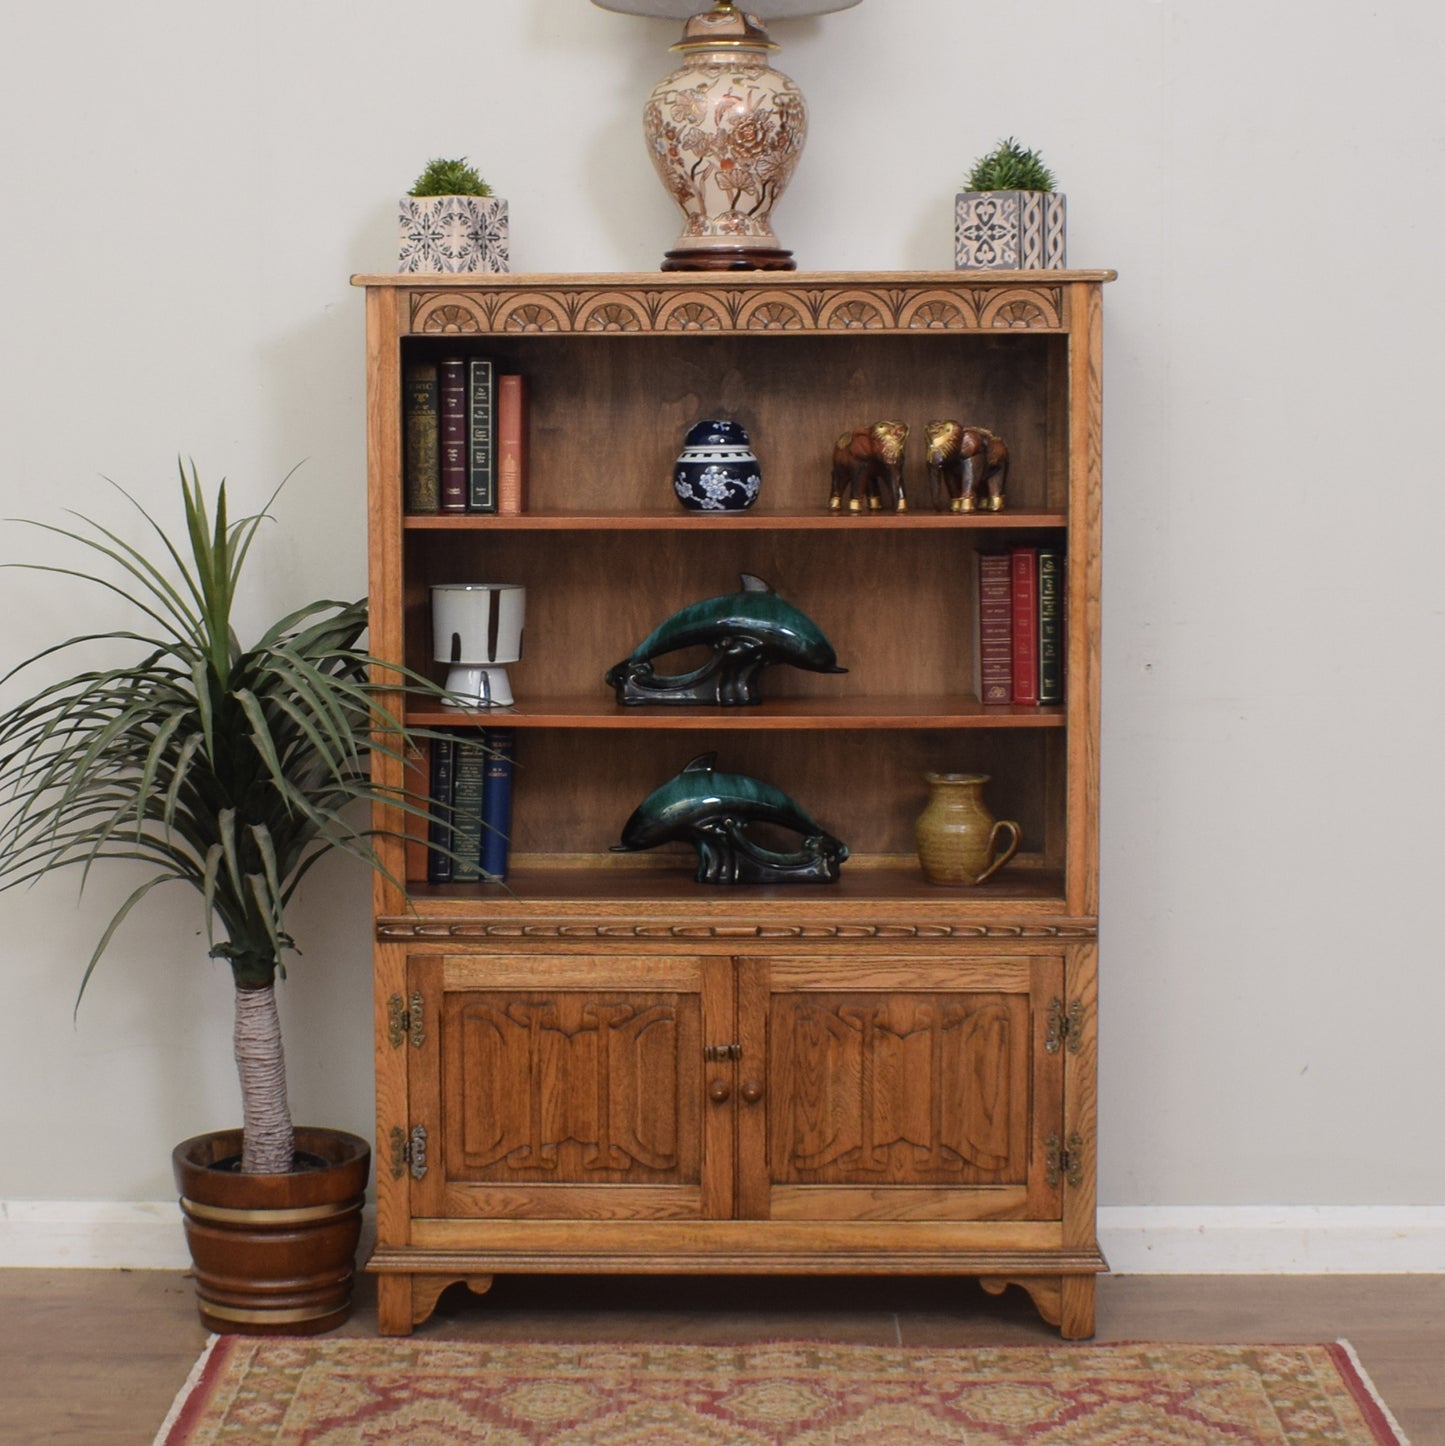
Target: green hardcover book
x=423, y=474
x=481, y=436
x=1051, y=626
x=467, y=780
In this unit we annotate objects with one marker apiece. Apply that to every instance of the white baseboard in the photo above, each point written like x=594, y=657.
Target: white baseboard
x=1273, y=1240
x=98, y=1234
x=1137, y=1239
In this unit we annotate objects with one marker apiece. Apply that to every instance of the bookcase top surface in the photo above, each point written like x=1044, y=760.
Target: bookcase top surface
x=710, y=280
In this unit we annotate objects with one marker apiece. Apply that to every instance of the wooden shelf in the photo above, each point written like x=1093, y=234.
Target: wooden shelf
x=676, y=520
x=865, y=886
x=811, y=714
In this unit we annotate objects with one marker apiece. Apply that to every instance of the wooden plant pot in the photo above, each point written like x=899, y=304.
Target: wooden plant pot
x=273, y=1254
x=453, y=233
x=1009, y=231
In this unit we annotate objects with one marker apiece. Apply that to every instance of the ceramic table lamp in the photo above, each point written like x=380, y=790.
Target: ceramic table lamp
x=725, y=131
x=477, y=629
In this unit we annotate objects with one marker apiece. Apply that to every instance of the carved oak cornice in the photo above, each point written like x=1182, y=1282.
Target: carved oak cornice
x=557, y=309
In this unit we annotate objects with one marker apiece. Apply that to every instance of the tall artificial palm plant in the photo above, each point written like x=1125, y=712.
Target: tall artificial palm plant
x=229, y=769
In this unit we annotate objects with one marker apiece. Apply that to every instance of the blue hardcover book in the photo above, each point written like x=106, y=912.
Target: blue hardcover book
x=497, y=802
x=439, y=827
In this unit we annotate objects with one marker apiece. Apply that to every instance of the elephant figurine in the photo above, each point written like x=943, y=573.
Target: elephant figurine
x=968, y=464
x=868, y=469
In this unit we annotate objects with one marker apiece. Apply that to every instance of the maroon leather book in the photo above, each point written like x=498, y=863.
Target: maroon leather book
x=1024, y=598
x=452, y=399
x=995, y=629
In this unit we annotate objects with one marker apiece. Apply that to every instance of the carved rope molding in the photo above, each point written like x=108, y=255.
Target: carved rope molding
x=600, y=310
x=393, y=929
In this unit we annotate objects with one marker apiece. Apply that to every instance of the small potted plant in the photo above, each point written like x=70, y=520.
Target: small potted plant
x=451, y=221
x=1008, y=216
x=231, y=769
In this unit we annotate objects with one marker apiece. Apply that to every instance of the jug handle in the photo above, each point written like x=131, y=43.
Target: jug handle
x=1001, y=859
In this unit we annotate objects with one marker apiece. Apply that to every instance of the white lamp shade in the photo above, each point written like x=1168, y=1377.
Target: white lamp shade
x=477, y=623
x=769, y=10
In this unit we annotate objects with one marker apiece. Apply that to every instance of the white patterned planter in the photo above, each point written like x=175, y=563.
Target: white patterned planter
x=1008, y=231
x=454, y=233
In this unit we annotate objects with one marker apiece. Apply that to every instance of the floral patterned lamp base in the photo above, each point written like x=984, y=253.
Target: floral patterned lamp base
x=725, y=131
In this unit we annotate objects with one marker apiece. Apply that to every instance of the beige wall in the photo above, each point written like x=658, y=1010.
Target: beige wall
x=196, y=183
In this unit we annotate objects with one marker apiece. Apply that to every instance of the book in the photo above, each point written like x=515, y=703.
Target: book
x=995, y=629
x=512, y=427
x=421, y=467
x=481, y=431
x=1024, y=602
x=439, y=832
x=497, y=802
x=452, y=407
x=467, y=774
x=1051, y=625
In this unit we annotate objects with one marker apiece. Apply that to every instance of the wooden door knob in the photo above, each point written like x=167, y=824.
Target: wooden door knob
x=752, y=1090
x=718, y=1090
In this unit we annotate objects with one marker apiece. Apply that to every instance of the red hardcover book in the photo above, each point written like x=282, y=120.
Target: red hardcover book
x=1024, y=598
x=511, y=445
x=995, y=629
x=452, y=397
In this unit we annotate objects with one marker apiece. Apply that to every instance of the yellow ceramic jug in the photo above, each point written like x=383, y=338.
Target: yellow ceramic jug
x=958, y=838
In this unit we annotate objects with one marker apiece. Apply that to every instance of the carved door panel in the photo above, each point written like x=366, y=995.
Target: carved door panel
x=912, y=1091
x=573, y=1088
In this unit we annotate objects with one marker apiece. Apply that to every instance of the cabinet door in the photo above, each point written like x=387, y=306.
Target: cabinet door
x=572, y=1088
x=898, y=1089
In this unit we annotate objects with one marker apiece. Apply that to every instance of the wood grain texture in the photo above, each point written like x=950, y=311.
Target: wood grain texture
x=1084, y=585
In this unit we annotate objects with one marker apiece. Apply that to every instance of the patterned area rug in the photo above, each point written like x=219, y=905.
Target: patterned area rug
x=247, y=1391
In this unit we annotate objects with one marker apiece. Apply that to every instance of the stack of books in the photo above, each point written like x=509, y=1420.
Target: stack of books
x=1021, y=626
x=471, y=793
x=465, y=448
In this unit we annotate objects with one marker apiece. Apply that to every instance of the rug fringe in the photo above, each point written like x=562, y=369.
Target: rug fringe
x=1376, y=1399
x=184, y=1394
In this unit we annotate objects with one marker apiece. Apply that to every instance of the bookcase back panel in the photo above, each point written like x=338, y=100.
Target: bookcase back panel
x=592, y=597
x=868, y=788
x=608, y=414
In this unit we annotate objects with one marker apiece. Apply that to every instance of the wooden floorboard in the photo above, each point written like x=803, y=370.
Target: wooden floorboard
x=96, y=1357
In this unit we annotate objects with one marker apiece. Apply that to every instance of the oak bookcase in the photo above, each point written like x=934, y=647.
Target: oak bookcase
x=603, y=1065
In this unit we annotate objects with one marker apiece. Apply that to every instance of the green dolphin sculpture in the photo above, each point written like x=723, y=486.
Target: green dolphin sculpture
x=747, y=631
x=712, y=811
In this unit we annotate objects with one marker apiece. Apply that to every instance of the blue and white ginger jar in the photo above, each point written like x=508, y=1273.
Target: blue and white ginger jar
x=716, y=470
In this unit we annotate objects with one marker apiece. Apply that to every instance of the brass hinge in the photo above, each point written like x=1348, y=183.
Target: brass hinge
x=716, y=1053
x=1065, y=1025
x=406, y=1022
x=1064, y=1162
x=408, y=1150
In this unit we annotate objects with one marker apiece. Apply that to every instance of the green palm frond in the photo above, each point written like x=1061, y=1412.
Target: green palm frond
x=229, y=769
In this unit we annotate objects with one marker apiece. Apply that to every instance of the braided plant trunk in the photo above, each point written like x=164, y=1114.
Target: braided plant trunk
x=269, y=1138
